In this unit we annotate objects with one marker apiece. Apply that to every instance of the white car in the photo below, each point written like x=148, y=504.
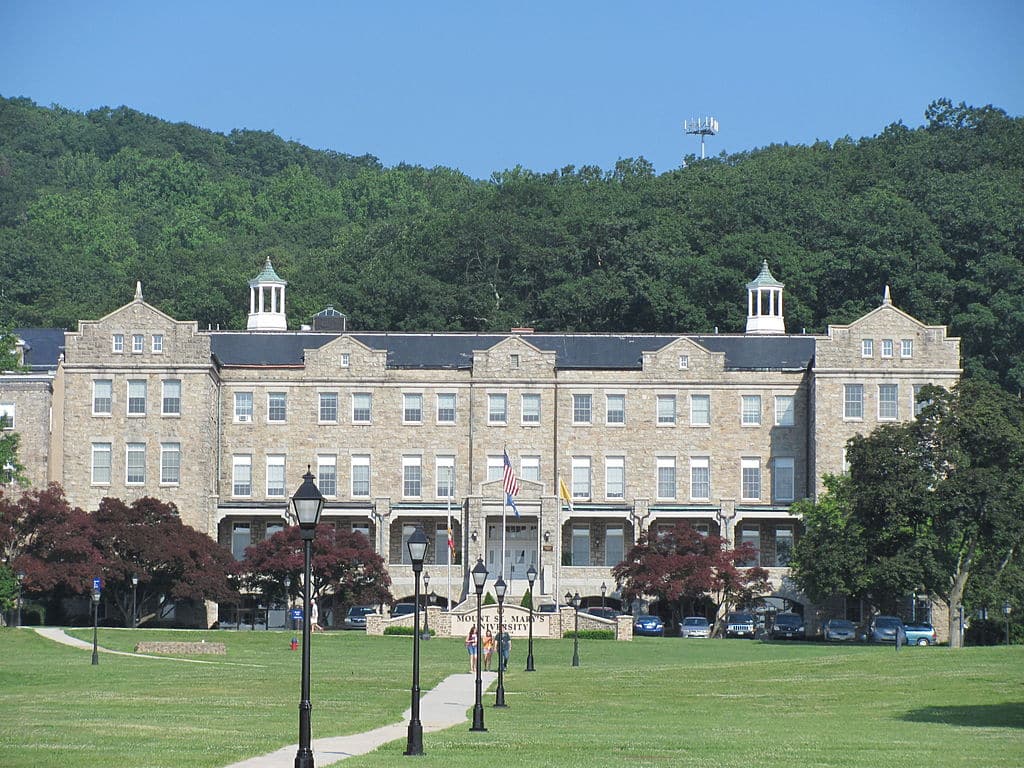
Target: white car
x=695, y=626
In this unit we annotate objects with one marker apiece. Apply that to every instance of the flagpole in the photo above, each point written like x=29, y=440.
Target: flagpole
x=504, y=506
x=448, y=597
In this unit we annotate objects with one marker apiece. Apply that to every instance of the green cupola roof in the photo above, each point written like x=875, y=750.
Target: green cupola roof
x=765, y=279
x=268, y=275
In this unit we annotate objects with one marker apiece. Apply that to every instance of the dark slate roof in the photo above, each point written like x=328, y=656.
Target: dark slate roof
x=43, y=346
x=455, y=350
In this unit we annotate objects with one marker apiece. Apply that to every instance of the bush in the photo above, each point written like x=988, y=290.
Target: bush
x=402, y=631
x=593, y=634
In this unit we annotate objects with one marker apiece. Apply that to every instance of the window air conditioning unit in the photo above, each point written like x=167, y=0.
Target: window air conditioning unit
x=244, y=418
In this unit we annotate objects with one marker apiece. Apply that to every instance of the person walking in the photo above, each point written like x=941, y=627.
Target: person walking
x=471, y=649
x=314, y=617
x=488, y=649
x=504, y=649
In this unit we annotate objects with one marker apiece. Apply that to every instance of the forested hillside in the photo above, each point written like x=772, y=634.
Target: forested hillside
x=90, y=203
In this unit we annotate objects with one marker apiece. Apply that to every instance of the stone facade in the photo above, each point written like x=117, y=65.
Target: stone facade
x=723, y=431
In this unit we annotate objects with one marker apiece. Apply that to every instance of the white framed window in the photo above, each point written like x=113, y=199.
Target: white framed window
x=531, y=408
x=666, y=410
x=888, y=402
x=277, y=407
x=867, y=347
x=495, y=468
x=170, y=463
x=444, y=477
x=243, y=407
x=615, y=478
x=360, y=475
x=275, y=476
x=362, y=403
x=363, y=527
x=751, y=411
x=666, y=476
x=783, y=478
x=412, y=408
x=700, y=410
x=684, y=362
x=328, y=410
x=241, y=475
x=446, y=408
x=529, y=468
x=615, y=409
x=497, y=408
x=345, y=360
x=614, y=545
x=101, y=463
x=750, y=479
x=582, y=409
x=412, y=477
x=784, y=540
x=272, y=529
x=906, y=348
x=241, y=539
x=751, y=534
x=137, y=397
x=102, y=397
x=853, y=401
x=170, y=399
x=700, y=477
x=117, y=343
x=513, y=360
x=886, y=347
x=581, y=477
x=917, y=404
x=327, y=474
x=135, y=463
x=138, y=343
x=580, y=544
x=785, y=411
x=157, y=343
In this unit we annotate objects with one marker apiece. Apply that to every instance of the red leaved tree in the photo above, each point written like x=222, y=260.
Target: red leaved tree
x=683, y=564
x=345, y=567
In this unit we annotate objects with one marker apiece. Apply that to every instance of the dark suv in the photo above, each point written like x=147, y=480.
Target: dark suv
x=887, y=629
x=788, y=626
x=740, y=625
x=356, y=616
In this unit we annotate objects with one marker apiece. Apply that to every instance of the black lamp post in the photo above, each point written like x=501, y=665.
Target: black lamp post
x=21, y=578
x=288, y=601
x=417, y=549
x=425, y=635
x=479, y=574
x=531, y=576
x=1006, y=612
x=95, y=624
x=574, y=601
x=499, y=591
x=135, y=613
x=604, y=591
x=307, y=502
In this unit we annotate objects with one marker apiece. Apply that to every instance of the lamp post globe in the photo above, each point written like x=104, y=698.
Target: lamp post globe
x=425, y=634
x=95, y=625
x=574, y=601
x=531, y=576
x=479, y=574
x=21, y=578
x=604, y=591
x=288, y=600
x=307, y=503
x=499, y=591
x=417, y=546
x=135, y=588
x=1007, y=608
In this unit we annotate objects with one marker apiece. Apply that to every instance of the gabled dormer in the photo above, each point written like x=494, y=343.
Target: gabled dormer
x=764, y=304
x=266, y=301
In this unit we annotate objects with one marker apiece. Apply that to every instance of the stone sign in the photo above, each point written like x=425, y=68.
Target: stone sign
x=515, y=620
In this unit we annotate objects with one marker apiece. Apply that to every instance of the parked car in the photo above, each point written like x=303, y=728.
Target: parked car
x=547, y=608
x=740, y=625
x=604, y=613
x=651, y=626
x=839, y=631
x=886, y=629
x=403, y=609
x=788, y=626
x=356, y=616
x=920, y=633
x=695, y=626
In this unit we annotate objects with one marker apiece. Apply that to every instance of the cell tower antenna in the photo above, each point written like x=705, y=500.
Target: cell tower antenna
x=701, y=126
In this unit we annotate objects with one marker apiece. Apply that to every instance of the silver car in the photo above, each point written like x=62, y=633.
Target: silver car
x=695, y=626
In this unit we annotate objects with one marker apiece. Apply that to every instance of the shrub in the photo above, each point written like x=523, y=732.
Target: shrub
x=593, y=634
x=402, y=631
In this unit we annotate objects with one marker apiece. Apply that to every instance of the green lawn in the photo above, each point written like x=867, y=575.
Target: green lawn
x=651, y=702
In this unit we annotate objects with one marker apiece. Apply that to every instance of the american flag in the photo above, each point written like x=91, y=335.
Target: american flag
x=510, y=483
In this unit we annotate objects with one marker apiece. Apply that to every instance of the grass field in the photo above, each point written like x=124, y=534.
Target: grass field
x=651, y=702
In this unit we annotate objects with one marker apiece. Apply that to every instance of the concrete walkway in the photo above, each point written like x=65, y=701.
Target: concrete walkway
x=443, y=707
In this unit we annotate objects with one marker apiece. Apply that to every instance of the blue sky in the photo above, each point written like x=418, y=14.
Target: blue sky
x=484, y=86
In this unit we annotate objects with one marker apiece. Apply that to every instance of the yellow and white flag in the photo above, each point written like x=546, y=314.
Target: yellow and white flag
x=563, y=492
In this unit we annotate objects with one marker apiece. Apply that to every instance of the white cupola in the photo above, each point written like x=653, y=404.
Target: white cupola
x=266, y=301
x=764, y=304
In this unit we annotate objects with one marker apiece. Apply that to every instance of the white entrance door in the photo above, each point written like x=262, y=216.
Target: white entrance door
x=520, y=550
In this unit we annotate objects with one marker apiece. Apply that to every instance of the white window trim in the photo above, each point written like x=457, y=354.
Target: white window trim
x=706, y=396
x=522, y=409
x=853, y=418
x=743, y=411
x=360, y=460
x=165, y=448
x=405, y=401
x=614, y=462
x=497, y=422
x=572, y=407
x=695, y=463
x=455, y=408
x=783, y=461
x=792, y=411
x=665, y=462
x=749, y=462
x=241, y=460
x=369, y=396
x=615, y=424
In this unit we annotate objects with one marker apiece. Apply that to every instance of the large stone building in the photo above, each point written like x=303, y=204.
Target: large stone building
x=725, y=431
